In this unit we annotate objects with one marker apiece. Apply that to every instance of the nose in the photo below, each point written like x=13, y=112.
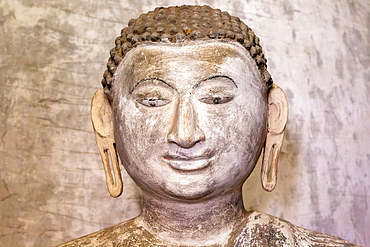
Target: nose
x=185, y=130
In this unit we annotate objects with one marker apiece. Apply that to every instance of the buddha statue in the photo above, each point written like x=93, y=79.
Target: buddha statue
x=188, y=105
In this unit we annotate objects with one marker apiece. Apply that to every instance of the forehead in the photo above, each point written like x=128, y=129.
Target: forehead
x=193, y=61
x=211, y=51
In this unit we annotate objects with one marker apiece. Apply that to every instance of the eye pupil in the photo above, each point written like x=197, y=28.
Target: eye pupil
x=216, y=100
x=152, y=102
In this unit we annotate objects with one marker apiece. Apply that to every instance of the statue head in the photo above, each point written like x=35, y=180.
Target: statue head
x=182, y=25
x=188, y=105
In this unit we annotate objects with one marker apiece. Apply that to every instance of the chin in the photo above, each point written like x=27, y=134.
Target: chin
x=189, y=191
x=190, y=195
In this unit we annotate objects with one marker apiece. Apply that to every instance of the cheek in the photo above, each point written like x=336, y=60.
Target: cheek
x=234, y=123
x=141, y=128
x=237, y=130
x=252, y=127
x=138, y=134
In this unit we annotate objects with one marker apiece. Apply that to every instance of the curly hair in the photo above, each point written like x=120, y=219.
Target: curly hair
x=184, y=24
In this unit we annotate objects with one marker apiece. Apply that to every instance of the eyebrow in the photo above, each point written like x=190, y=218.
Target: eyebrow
x=150, y=78
x=216, y=76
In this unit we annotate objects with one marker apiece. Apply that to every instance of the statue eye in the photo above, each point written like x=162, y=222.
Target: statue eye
x=153, y=102
x=216, y=90
x=153, y=92
x=216, y=99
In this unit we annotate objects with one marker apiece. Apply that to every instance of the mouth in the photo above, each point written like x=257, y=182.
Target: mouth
x=188, y=162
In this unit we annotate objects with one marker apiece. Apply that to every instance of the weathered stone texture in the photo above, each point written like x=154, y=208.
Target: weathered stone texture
x=53, y=55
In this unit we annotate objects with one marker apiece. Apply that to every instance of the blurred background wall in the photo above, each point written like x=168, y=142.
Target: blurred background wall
x=52, y=58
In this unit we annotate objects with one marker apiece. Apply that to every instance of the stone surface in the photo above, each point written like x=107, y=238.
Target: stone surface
x=53, y=54
x=258, y=229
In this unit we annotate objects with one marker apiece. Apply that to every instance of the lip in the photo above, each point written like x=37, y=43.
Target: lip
x=188, y=163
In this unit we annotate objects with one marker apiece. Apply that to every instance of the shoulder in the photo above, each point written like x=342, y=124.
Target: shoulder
x=123, y=234
x=265, y=230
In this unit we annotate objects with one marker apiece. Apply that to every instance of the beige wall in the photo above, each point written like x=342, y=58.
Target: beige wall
x=53, y=55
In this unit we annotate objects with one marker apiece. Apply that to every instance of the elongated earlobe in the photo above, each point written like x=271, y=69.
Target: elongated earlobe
x=102, y=119
x=276, y=122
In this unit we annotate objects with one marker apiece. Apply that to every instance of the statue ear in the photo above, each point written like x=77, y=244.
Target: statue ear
x=276, y=122
x=102, y=119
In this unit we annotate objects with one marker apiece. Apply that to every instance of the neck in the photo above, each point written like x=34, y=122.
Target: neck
x=208, y=222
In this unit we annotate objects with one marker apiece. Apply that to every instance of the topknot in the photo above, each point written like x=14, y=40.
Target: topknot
x=181, y=24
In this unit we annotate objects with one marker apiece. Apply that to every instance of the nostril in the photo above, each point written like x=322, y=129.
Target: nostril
x=186, y=141
x=171, y=137
x=182, y=142
x=201, y=135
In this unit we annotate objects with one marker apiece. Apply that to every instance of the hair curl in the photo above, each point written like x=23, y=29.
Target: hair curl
x=181, y=24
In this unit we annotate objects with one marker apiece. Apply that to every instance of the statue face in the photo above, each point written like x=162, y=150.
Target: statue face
x=189, y=119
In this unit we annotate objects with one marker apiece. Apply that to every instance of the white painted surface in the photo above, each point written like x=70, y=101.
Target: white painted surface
x=53, y=55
